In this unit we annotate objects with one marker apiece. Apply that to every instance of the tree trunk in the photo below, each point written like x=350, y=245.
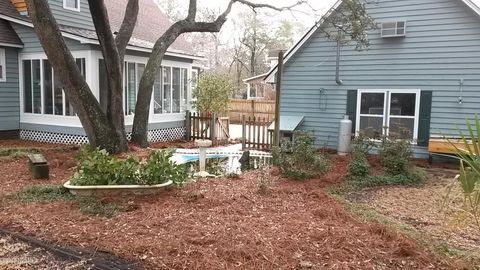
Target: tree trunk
x=100, y=132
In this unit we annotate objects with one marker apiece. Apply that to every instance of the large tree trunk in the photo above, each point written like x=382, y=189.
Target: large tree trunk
x=100, y=132
x=113, y=51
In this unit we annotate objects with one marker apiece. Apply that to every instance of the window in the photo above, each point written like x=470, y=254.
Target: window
x=71, y=4
x=42, y=91
x=170, y=90
x=394, y=29
x=388, y=112
x=3, y=68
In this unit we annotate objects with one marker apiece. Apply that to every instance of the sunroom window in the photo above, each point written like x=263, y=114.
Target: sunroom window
x=392, y=113
x=170, y=90
x=42, y=90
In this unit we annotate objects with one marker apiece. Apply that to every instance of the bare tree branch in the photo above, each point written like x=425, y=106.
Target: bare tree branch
x=128, y=25
x=192, y=10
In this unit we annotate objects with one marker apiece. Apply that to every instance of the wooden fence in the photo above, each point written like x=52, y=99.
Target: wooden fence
x=255, y=134
x=251, y=108
x=199, y=126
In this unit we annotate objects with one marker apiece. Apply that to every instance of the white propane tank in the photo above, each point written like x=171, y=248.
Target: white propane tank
x=345, y=136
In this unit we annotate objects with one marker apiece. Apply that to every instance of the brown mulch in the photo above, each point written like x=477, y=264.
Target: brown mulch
x=218, y=224
x=432, y=208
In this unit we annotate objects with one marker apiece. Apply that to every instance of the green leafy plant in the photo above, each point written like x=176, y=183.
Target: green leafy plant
x=97, y=167
x=359, y=166
x=395, y=156
x=160, y=168
x=212, y=93
x=469, y=179
x=299, y=159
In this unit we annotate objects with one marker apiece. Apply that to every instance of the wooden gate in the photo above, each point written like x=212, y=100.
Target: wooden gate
x=255, y=134
x=207, y=126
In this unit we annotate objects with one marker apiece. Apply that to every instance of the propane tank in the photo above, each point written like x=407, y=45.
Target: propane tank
x=345, y=136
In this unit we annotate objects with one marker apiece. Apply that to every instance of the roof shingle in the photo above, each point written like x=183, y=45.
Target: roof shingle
x=8, y=35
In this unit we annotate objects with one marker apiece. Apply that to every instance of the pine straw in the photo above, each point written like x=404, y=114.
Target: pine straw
x=220, y=224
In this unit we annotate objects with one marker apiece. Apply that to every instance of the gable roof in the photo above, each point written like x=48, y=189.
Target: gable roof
x=8, y=37
x=271, y=73
x=151, y=24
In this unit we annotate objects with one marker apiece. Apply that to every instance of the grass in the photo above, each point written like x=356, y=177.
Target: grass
x=17, y=152
x=367, y=214
x=53, y=193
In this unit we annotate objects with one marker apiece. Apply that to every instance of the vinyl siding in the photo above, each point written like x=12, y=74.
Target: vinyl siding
x=442, y=46
x=79, y=19
x=31, y=44
x=9, y=94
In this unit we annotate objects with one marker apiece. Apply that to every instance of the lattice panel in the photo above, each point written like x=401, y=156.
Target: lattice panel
x=168, y=134
x=157, y=135
x=51, y=137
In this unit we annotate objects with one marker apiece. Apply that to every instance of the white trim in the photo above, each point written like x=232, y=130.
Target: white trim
x=72, y=8
x=3, y=63
x=11, y=45
x=271, y=73
x=386, y=107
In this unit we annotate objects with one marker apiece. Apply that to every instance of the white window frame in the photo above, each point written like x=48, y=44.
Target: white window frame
x=3, y=63
x=386, y=107
x=65, y=6
x=382, y=28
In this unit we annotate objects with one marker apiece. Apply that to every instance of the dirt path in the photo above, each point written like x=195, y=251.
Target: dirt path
x=219, y=224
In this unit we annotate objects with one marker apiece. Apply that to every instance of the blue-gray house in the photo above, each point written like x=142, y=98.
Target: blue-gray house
x=32, y=103
x=419, y=78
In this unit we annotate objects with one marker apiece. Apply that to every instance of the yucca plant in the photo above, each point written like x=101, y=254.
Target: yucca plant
x=469, y=155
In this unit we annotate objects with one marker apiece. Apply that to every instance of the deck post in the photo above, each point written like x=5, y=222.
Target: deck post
x=278, y=86
x=244, y=132
x=213, y=127
x=188, y=125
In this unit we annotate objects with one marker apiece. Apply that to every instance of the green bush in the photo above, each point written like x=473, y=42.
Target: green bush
x=359, y=166
x=97, y=167
x=213, y=93
x=299, y=160
x=395, y=156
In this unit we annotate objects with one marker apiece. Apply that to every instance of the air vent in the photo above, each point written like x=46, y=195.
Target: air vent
x=20, y=5
x=394, y=29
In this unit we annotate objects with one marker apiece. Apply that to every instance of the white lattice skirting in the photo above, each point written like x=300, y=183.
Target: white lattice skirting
x=157, y=135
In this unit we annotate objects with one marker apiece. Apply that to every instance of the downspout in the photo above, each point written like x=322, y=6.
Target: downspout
x=337, y=70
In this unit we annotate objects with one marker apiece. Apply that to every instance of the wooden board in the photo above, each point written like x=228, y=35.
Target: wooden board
x=443, y=146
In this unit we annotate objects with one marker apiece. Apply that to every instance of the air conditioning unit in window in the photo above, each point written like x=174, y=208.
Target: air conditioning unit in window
x=394, y=29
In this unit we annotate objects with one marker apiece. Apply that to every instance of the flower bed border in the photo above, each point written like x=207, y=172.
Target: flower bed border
x=108, y=190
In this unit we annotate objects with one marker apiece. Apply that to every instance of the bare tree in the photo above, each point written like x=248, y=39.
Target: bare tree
x=106, y=129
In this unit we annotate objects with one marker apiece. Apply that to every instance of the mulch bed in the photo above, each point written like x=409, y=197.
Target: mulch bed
x=218, y=224
x=432, y=208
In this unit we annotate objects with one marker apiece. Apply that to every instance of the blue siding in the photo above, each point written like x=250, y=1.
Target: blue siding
x=32, y=44
x=442, y=46
x=79, y=19
x=9, y=94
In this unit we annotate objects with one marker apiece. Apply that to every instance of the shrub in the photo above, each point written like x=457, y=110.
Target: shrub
x=359, y=166
x=395, y=156
x=299, y=160
x=97, y=167
x=212, y=93
x=159, y=169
